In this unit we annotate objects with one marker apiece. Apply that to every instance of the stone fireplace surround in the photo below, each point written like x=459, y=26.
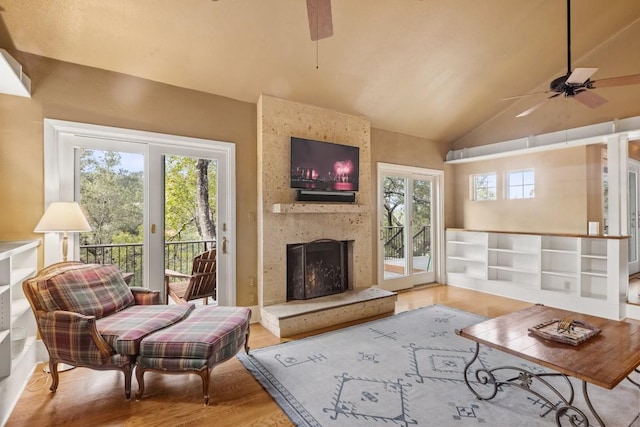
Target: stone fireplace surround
x=282, y=220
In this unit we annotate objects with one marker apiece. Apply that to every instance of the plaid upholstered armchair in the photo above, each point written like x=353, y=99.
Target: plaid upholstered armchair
x=88, y=316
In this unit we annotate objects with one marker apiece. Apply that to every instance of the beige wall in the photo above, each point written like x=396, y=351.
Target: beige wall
x=561, y=198
x=71, y=92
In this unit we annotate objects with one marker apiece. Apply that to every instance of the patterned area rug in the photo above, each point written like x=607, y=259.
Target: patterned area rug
x=407, y=370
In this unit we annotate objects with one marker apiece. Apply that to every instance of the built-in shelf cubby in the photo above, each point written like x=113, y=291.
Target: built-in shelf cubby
x=594, y=268
x=559, y=264
x=467, y=254
x=514, y=258
x=575, y=272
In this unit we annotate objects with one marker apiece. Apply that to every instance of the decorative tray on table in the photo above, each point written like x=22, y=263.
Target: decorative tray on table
x=568, y=331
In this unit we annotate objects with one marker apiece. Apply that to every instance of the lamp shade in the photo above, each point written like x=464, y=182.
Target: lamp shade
x=63, y=216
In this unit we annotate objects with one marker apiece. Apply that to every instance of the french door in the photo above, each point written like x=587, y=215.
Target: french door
x=633, y=176
x=139, y=165
x=409, y=226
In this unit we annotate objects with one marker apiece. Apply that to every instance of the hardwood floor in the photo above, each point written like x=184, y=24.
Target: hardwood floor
x=96, y=398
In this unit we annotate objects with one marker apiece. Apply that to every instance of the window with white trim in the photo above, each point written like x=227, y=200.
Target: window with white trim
x=484, y=186
x=521, y=184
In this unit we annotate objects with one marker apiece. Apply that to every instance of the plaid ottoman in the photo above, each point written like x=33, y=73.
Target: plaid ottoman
x=208, y=336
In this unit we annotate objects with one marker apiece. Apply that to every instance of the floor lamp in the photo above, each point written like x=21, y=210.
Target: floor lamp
x=63, y=217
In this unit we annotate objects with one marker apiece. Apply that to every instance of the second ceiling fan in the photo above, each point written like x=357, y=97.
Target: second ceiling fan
x=577, y=84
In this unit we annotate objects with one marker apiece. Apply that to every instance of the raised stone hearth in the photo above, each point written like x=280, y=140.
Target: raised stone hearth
x=295, y=317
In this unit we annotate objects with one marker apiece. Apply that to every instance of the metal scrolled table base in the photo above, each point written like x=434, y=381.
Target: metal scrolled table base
x=632, y=381
x=524, y=380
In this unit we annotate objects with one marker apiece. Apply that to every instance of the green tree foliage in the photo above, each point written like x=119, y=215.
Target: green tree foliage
x=421, y=203
x=394, y=201
x=184, y=186
x=394, y=190
x=484, y=187
x=394, y=194
x=112, y=198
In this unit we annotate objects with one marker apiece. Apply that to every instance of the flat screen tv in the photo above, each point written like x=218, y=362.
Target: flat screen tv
x=317, y=165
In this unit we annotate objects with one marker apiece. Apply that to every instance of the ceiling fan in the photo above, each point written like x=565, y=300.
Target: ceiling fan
x=320, y=20
x=577, y=84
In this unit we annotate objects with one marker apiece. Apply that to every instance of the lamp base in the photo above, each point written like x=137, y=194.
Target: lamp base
x=61, y=367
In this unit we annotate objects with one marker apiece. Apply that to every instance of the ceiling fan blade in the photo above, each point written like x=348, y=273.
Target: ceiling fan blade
x=535, y=107
x=580, y=75
x=522, y=96
x=320, y=20
x=617, y=81
x=590, y=99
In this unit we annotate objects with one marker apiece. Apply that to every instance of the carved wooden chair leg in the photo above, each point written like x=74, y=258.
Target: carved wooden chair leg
x=55, y=379
x=140, y=378
x=127, y=371
x=205, y=374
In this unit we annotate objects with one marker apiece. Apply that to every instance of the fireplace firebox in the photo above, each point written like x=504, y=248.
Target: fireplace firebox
x=317, y=268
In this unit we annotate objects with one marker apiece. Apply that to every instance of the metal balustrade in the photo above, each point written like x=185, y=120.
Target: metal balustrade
x=178, y=256
x=394, y=242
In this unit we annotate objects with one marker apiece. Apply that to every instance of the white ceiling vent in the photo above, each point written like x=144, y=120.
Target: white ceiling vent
x=12, y=80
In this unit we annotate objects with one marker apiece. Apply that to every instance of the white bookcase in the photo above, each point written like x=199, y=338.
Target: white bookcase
x=18, y=261
x=579, y=273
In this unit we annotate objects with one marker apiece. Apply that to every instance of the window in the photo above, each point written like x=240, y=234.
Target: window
x=521, y=184
x=484, y=186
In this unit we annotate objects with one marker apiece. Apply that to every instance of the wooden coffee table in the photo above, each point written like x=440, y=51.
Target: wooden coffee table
x=604, y=360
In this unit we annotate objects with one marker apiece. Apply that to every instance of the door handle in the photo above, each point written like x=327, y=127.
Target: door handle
x=224, y=245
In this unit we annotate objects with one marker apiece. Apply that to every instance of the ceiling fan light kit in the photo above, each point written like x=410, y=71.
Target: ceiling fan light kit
x=577, y=84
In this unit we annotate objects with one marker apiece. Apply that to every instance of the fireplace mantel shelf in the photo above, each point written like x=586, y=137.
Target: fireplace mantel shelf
x=299, y=208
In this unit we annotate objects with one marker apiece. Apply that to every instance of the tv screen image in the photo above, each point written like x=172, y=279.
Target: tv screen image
x=317, y=165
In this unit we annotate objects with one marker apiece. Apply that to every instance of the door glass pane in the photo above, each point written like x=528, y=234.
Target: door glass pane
x=394, y=198
x=190, y=210
x=421, y=226
x=112, y=196
x=633, y=230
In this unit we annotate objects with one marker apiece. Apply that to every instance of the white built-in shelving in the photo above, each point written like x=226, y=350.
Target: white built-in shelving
x=18, y=262
x=579, y=273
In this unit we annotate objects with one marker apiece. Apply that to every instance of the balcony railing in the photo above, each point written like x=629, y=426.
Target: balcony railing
x=394, y=242
x=178, y=256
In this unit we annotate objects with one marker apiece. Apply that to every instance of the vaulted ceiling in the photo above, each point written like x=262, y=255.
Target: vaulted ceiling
x=429, y=68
